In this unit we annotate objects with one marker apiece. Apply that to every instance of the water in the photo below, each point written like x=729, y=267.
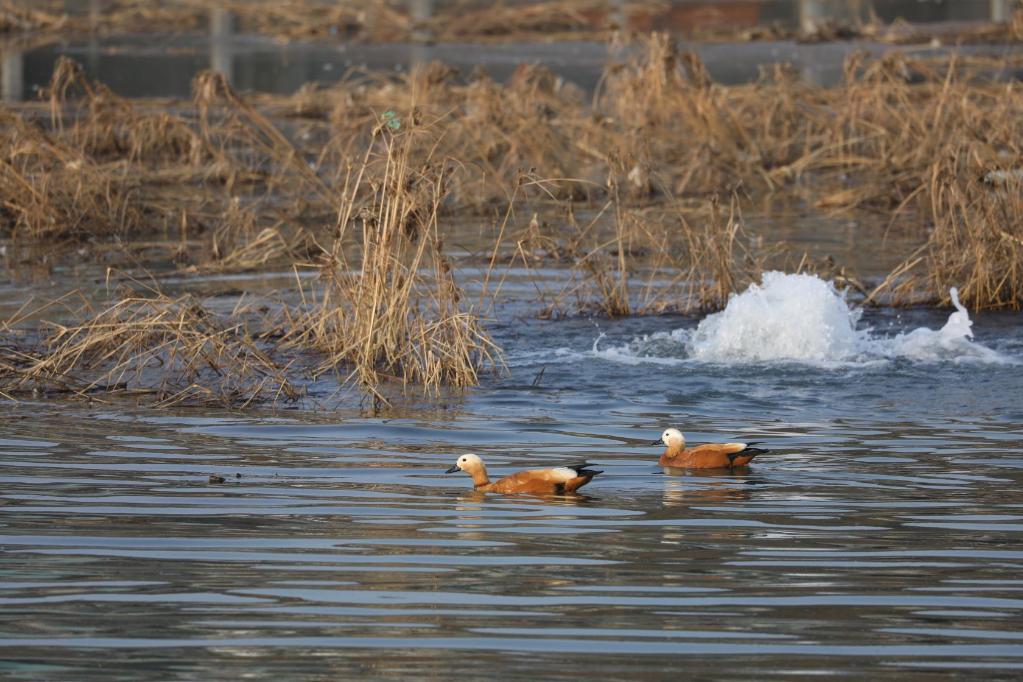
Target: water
x=801, y=318
x=879, y=539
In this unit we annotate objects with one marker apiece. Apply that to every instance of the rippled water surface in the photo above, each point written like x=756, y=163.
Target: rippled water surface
x=880, y=539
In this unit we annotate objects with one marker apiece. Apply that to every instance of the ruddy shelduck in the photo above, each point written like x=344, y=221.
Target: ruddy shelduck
x=555, y=481
x=710, y=456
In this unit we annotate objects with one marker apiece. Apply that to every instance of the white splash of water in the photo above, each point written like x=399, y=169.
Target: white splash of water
x=800, y=319
x=786, y=317
x=951, y=342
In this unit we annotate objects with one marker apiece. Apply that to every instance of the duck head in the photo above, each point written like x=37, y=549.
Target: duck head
x=672, y=438
x=467, y=463
x=472, y=465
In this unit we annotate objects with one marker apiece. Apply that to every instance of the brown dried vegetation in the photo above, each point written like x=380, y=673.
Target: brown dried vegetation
x=396, y=21
x=360, y=184
x=396, y=311
x=165, y=350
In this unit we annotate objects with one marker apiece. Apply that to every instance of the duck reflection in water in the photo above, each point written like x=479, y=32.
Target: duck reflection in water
x=686, y=487
x=478, y=515
x=475, y=497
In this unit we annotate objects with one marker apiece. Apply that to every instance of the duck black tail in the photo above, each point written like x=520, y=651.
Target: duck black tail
x=748, y=451
x=583, y=476
x=583, y=469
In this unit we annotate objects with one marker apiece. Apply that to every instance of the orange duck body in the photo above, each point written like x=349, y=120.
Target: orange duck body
x=711, y=456
x=554, y=481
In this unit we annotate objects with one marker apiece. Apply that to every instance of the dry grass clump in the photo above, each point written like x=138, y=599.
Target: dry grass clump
x=717, y=259
x=549, y=21
x=251, y=146
x=167, y=350
x=535, y=123
x=606, y=267
x=500, y=20
x=265, y=180
x=380, y=20
x=88, y=174
x=92, y=119
x=863, y=25
x=683, y=257
x=376, y=20
x=698, y=137
x=242, y=240
x=869, y=143
x=880, y=131
x=397, y=21
x=49, y=190
x=364, y=20
x=100, y=166
x=902, y=136
x=976, y=243
x=697, y=256
x=396, y=312
x=16, y=20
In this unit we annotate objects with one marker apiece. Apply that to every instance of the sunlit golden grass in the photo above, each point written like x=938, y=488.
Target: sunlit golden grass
x=976, y=243
x=394, y=310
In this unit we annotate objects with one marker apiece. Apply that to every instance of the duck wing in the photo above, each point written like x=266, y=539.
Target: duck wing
x=555, y=480
x=713, y=456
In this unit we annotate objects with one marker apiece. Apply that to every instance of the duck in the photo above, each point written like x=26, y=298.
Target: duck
x=710, y=456
x=554, y=481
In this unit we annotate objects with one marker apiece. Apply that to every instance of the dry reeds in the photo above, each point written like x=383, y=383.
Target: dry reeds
x=364, y=20
x=396, y=21
x=167, y=351
x=373, y=168
x=49, y=190
x=397, y=312
x=976, y=244
x=89, y=117
x=83, y=177
x=546, y=19
x=17, y=20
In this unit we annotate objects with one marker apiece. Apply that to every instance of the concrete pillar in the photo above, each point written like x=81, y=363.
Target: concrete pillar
x=813, y=13
x=420, y=11
x=12, y=88
x=221, y=34
x=1001, y=10
x=93, y=52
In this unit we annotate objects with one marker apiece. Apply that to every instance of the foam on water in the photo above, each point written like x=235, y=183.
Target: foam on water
x=787, y=317
x=800, y=319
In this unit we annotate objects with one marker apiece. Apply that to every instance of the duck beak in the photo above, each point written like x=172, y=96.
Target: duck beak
x=452, y=470
x=657, y=442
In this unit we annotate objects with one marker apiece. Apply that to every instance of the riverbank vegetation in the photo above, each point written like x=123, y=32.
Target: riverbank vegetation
x=401, y=204
x=461, y=20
